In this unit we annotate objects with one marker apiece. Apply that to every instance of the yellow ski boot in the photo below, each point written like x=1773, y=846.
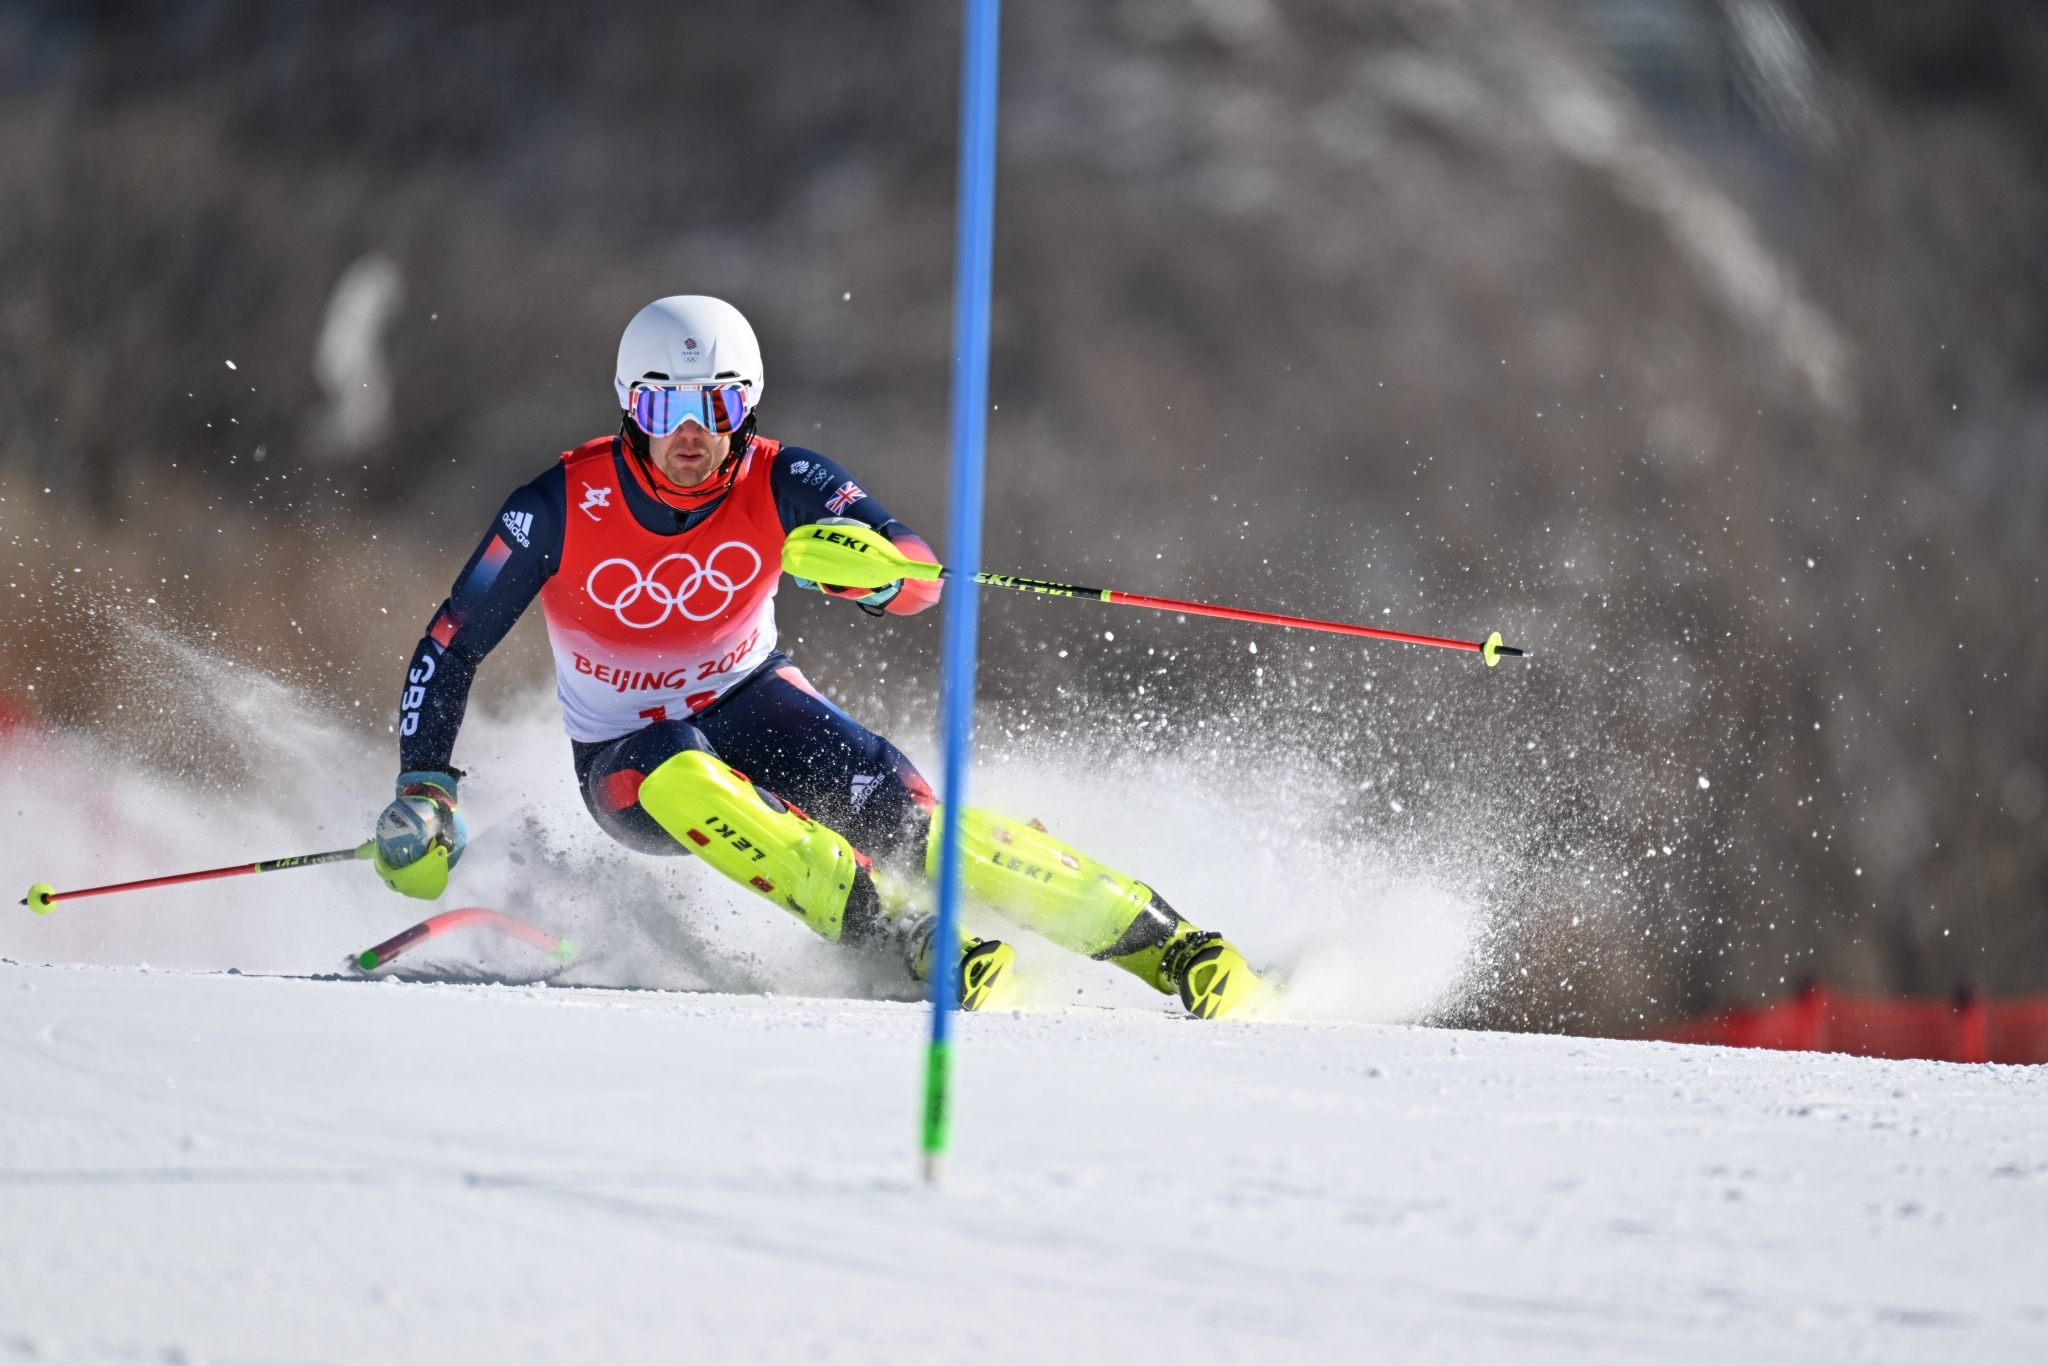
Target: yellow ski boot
x=985, y=964
x=985, y=974
x=1210, y=974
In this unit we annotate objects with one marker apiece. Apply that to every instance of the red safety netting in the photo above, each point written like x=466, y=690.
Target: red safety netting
x=1966, y=1028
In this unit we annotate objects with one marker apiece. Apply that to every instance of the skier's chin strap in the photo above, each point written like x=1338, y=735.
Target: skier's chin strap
x=667, y=491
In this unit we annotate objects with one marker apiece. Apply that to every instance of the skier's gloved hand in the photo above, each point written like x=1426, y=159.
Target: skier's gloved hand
x=873, y=601
x=421, y=835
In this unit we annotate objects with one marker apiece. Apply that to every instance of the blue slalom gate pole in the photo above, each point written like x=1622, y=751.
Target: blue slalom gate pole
x=973, y=253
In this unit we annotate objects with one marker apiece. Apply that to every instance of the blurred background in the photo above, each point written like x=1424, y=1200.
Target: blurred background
x=1699, y=345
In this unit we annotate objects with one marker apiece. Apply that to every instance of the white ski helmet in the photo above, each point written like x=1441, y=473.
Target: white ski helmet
x=691, y=337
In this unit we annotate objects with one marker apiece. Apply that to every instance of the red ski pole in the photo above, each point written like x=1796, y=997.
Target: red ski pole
x=856, y=557
x=43, y=898
x=1490, y=648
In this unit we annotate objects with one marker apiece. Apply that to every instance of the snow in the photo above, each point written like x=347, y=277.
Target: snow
x=1366, y=935
x=206, y=1167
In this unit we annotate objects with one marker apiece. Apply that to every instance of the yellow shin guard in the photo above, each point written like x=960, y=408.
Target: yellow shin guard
x=1042, y=884
x=754, y=838
x=1023, y=873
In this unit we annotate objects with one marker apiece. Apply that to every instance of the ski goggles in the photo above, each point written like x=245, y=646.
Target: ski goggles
x=661, y=409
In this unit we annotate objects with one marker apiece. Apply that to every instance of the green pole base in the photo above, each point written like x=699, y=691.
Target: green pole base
x=41, y=898
x=938, y=1118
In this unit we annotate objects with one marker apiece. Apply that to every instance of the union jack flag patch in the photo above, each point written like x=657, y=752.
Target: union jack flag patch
x=845, y=497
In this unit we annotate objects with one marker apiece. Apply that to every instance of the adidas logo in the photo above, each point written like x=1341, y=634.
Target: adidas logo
x=520, y=524
x=864, y=786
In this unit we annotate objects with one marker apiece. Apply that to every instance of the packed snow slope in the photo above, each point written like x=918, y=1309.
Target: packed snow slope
x=226, y=1169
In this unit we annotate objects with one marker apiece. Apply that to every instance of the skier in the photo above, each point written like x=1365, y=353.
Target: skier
x=656, y=557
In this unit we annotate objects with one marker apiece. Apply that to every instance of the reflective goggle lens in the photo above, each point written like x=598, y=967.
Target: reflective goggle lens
x=659, y=412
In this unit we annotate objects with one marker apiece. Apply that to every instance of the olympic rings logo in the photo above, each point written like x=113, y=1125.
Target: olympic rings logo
x=700, y=580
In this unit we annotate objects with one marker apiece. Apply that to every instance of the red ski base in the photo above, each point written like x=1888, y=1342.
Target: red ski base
x=369, y=960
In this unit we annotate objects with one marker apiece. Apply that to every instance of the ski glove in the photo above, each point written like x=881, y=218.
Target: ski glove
x=421, y=836
x=873, y=601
